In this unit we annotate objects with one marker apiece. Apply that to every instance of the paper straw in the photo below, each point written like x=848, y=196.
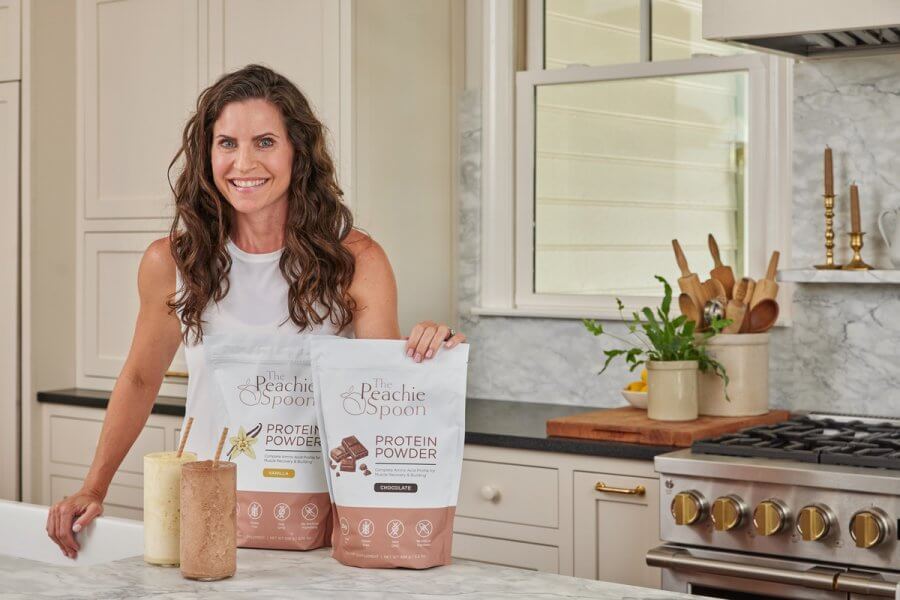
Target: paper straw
x=184, y=436
x=221, y=443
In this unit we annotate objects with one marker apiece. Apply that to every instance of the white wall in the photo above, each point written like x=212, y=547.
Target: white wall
x=50, y=241
x=408, y=75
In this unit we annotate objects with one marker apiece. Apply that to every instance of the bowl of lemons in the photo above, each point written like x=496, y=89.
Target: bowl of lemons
x=636, y=392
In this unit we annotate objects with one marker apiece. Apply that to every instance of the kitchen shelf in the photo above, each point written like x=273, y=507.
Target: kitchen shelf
x=875, y=276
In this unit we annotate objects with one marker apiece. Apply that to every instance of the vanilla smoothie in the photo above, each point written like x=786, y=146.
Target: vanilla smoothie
x=162, y=506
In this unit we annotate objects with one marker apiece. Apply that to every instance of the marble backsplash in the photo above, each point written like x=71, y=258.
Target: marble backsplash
x=842, y=353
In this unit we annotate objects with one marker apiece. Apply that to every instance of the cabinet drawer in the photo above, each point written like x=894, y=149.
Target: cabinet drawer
x=535, y=557
x=510, y=493
x=73, y=441
x=121, y=500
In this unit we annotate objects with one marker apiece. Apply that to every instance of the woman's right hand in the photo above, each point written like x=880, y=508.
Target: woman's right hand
x=72, y=514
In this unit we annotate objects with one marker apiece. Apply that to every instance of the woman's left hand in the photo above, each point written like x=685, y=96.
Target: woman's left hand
x=426, y=337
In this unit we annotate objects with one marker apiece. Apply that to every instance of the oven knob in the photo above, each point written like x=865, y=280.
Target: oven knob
x=869, y=528
x=688, y=507
x=727, y=512
x=814, y=522
x=770, y=517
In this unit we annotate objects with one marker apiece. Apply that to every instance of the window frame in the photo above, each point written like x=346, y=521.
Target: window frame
x=508, y=109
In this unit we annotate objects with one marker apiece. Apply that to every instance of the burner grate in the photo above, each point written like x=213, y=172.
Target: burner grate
x=820, y=440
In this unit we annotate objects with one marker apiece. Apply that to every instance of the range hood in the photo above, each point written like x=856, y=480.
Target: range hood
x=806, y=28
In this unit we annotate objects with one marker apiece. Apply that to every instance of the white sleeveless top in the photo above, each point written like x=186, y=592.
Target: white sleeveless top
x=257, y=302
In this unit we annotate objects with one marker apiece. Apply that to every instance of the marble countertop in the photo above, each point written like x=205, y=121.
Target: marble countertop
x=270, y=574
x=505, y=424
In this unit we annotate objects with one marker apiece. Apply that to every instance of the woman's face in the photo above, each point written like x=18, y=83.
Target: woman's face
x=252, y=156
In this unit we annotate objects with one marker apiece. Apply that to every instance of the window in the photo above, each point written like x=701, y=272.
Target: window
x=631, y=130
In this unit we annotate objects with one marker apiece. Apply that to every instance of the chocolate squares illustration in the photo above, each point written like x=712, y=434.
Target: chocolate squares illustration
x=348, y=453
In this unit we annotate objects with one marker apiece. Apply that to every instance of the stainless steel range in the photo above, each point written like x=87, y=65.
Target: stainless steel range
x=808, y=508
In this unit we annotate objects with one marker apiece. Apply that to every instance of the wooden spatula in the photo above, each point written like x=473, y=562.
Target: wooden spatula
x=720, y=272
x=736, y=309
x=767, y=289
x=688, y=282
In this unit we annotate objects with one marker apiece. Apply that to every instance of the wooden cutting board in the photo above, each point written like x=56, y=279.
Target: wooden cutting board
x=631, y=425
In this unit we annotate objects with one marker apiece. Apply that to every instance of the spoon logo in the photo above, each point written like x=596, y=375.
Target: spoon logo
x=353, y=402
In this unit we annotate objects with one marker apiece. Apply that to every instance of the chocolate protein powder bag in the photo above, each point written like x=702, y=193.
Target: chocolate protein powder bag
x=393, y=432
x=265, y=388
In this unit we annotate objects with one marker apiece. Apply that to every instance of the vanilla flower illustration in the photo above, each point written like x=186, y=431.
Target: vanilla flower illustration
x=242, y=444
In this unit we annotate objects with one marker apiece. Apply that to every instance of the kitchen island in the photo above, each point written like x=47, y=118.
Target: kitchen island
x=270, y=574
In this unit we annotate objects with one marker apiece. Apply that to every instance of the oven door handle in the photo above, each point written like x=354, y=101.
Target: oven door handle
x=867, y=586
x=680, y=560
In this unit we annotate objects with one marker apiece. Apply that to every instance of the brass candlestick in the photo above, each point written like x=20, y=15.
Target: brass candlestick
x=857, y=264
x=829, y=234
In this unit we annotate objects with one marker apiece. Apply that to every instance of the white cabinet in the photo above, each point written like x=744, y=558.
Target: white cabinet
x=614, y=530
x=70, y=435
x=9, y=290
x=541, y=510
x=140, y=76
x=10, y=40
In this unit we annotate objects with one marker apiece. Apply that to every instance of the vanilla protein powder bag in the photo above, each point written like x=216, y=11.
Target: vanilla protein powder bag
x=265, y=388
x=393, y=432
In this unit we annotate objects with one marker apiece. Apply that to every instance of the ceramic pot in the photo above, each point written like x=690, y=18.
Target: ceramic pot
x=672, y=390
x=745, y=357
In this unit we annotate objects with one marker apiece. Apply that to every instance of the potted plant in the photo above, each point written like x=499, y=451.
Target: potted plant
x=673, y=353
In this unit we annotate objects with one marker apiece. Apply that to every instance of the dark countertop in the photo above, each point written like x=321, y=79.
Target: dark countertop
x=521, y=425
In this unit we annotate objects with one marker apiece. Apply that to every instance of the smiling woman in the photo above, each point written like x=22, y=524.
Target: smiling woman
x=261, y=242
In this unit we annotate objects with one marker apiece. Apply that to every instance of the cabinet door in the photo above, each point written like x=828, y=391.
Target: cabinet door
x=10, y=18
x=298, y=38
x=141, y=79
x=111, y=302
x=614, y=531
x=9, y=286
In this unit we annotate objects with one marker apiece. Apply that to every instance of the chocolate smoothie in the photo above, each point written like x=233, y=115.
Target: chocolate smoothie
x=208, y=520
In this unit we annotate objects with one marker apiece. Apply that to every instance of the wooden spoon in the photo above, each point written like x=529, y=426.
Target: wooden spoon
x=763, y=316
x=766, y=288
x=688, y=282
x=736, y=309
x=713, y=288
x=751, y=287
x=720, y=272
x=690, y=310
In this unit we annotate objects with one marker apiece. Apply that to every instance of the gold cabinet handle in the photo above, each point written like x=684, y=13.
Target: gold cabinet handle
x=637, y=490
x=178, y=374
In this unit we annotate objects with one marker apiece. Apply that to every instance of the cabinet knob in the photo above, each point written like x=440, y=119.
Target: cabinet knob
x=490, y=493
x=770, y=517
x=869, y=528
x=688, y=507
x=814, y=522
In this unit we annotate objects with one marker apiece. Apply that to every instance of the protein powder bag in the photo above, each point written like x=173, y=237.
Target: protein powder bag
x=265, y=388
x=393, y=431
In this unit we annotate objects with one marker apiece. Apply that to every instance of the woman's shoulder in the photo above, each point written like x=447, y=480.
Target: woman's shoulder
x=370, y=259
x=362, y=246
x=158, y=264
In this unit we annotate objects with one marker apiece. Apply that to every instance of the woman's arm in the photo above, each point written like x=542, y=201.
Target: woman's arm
x=157, y=336
x=374, y=290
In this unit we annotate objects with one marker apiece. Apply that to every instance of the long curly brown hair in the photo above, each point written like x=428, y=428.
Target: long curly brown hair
x=315, y=263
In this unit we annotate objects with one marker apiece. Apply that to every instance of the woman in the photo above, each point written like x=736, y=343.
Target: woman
x=260, y=242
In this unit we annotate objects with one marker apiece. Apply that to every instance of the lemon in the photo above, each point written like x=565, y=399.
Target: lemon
x=644, y=376
x=634, y=386
x=643, y=387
